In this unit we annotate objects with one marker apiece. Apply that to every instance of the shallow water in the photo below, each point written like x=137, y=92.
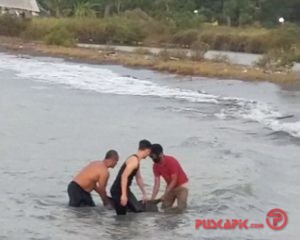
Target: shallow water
x=238, y=142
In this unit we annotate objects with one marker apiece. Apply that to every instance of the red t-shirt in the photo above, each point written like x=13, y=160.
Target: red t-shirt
x=169, y=167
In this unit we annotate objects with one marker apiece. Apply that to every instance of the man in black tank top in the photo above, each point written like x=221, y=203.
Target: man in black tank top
x=122, y=197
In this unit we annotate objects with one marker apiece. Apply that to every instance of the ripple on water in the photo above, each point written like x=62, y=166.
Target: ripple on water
x=131, y=226
x=192, y=142
x=220, y=201
x=46, y=217
x=17, y=173
x=43, y=203
x=18, y=201
x=229, y=152
x=245, y=190
x=40, y=238
x=236, y=238
x=283, y=137
x=195, y=141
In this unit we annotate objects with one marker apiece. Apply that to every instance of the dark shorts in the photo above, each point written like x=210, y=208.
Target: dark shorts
x=133, y=205
x=79, y=197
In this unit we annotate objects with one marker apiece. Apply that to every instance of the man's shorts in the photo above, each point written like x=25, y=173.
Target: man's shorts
x=78, y=196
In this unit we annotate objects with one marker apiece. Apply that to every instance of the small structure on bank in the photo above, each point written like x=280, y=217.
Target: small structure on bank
x=24, y=8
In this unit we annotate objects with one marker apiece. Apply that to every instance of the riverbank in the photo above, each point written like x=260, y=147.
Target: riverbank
x=160, y=62
x=239, y=58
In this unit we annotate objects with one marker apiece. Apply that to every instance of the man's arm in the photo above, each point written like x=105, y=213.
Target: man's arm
x=171, y=185
x=101, y=187
x=155, y=187
x=131, y=164
x=140, y=183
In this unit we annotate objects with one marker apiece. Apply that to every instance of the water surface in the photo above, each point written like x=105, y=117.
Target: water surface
x=237, y=141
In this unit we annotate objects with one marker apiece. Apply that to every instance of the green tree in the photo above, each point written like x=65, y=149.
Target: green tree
x=231, y=12
x=84, y=9
x=54, y=7
x=239, y=12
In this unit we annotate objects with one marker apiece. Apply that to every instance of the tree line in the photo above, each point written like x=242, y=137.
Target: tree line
x=221, y=12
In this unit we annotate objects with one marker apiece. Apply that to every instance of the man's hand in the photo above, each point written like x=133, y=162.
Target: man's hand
x=145, y=198
x=124, y=200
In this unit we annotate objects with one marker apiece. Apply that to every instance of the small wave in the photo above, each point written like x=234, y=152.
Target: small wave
x=262, y=113
x=191, y=142
x=245, y=190
x=44, y=217
x=96, y=78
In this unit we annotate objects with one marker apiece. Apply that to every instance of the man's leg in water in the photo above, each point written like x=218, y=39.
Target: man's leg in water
x=169, y=200
x=87, y=200
x=74, y=200
x=116, y=197
x=120, y=210
x=181, y=196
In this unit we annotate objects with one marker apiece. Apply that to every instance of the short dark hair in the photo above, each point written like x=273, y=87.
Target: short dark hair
x=144, y=144
x=112, y=154
x=156, y=149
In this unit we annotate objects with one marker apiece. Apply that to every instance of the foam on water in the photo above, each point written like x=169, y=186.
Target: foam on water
x=97, y=78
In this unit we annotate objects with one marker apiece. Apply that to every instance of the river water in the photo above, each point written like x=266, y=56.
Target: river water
x=239, y=143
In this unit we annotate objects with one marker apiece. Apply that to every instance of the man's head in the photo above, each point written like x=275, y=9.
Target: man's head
x=112, y=158
x=145, y=148
x=156, y=152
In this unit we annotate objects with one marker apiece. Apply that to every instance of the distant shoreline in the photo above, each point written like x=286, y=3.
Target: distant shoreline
x=238, y=58
x=142, y=59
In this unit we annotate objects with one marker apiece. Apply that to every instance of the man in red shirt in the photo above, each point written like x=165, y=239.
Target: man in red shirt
x=176, y=179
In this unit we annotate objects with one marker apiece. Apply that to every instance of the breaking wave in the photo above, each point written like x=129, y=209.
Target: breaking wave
x=97, y=78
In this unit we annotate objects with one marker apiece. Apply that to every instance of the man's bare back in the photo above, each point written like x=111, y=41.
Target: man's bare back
x=89, y=177
x=92, y=177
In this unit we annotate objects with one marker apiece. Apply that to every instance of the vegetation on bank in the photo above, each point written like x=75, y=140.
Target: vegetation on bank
x=244, y=26
x=136, y=27
x=280, y=45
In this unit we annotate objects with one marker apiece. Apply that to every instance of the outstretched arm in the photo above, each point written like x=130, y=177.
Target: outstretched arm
x=155, y=187
x=101, y=188
x=171, y=185
x=140, y=183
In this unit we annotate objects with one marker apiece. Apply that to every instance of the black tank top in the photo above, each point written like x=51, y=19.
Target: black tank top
x=117, y=183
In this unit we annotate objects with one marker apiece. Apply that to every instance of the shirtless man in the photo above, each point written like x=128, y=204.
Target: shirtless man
x=169, y=168
x=93, y=177
x=120, y=191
